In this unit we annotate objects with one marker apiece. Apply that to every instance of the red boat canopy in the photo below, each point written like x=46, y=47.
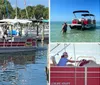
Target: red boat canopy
x=78, y=11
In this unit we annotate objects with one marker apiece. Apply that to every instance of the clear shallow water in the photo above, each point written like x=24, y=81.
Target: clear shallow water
x=25, y=69
x=73, y=35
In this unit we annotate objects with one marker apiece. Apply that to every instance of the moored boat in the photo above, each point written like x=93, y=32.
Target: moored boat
x=84, y=72
x=86, y=21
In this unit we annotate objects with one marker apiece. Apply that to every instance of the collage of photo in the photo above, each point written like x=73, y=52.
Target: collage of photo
x=49, y=42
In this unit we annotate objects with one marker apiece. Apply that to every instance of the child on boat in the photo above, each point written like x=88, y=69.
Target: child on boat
x=64, y=59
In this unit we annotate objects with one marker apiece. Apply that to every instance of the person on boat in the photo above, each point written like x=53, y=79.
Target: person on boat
x=64, y=59
x=64, y=28
x=5, y=35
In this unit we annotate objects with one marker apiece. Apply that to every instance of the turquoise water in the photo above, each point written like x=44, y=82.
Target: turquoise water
x=73, y=35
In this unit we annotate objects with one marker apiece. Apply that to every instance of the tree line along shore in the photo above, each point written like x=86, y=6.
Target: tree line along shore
x=38, y=11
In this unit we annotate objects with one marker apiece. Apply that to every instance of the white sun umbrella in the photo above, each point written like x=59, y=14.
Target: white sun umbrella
x=9, y=20
x=23, y=21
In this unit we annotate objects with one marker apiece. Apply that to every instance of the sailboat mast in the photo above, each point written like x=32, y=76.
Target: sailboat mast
x=16, y=8
x=6, y=8
x=26, y=9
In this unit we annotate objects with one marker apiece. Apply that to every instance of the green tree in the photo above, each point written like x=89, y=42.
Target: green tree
x=46, y=13
x=23, y=13
x=10, y=9
x=30, y=10
x=18, y=12
x=2, y=9
x=6, y=10
x=39, y=11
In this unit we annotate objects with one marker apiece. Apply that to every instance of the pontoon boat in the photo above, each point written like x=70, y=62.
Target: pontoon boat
x=86, y=22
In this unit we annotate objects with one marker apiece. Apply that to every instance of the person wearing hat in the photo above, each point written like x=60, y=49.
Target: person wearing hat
x=64, y=59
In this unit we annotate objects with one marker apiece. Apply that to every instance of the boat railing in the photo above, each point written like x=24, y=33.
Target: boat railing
x=10, y=44
x=74, y=75
x=28, y=42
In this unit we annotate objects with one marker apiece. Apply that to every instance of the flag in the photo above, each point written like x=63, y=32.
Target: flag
x=24, y=2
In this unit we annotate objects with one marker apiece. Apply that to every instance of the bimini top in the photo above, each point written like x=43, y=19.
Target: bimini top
x=78, y=11
x=87, y=15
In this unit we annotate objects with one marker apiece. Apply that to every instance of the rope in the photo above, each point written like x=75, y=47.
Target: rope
x=54, y=47
x=62, y=49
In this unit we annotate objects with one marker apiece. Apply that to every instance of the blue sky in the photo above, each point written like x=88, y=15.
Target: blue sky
x=61, y=10
x=20, y=3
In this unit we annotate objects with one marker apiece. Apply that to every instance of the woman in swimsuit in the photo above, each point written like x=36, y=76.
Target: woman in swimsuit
x=64, y=28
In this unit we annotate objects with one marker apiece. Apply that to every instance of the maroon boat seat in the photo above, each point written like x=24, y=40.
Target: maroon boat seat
x=83, y=62
x=75, y=21
x=85, y=22
x=88, y=63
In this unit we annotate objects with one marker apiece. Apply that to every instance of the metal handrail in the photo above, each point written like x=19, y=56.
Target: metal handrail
x=62, y=49
x=54, y=47
x=86, y=57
